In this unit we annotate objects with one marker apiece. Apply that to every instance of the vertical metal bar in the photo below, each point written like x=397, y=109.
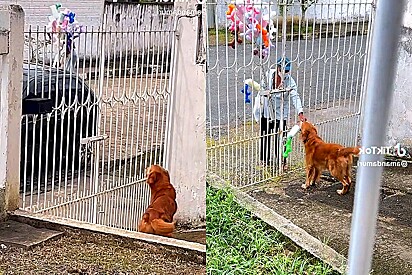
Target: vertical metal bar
x=25, y=118
x=332, y=56
x=130, y=104
x=366, y=67
x=171, y=88
x=378, y=99
x=163, y=97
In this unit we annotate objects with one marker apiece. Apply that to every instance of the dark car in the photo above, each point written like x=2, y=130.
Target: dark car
x=59, y=109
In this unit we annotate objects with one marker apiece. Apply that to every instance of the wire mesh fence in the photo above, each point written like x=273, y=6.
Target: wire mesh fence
x=325, y=45
x=108, y=92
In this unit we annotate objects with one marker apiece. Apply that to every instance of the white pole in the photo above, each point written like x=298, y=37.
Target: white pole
x=378, y=101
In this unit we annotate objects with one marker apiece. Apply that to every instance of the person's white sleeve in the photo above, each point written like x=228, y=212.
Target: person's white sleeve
x=295, y=96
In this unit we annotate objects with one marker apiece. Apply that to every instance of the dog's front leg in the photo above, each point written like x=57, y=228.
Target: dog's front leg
x=309, y=174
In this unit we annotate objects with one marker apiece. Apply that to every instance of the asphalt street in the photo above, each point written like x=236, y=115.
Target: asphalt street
x=326, y=70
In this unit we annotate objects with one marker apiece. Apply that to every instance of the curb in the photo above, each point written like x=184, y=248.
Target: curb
x=52, y=222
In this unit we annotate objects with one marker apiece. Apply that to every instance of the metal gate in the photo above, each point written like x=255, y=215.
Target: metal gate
x=95, y=116
x=327, y=42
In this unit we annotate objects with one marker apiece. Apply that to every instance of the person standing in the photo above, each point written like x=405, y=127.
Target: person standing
x=271, y=112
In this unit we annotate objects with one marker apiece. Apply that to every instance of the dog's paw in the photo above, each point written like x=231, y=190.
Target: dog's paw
x=304, y=186
x=340, y=192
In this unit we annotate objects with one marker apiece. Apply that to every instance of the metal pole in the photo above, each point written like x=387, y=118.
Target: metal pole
x=378, y=101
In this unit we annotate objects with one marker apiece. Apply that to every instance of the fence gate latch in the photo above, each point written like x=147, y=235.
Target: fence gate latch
x=88, y=140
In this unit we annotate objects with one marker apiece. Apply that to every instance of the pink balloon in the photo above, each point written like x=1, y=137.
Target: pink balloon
x=249, y=8
x=241, y=27
x=240, y=11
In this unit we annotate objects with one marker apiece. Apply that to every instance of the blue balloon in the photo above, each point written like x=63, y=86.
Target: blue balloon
x=247, y=93
x=71, y=16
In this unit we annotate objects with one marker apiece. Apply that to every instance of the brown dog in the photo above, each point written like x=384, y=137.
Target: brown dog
x=326, y=156
x=158, y=218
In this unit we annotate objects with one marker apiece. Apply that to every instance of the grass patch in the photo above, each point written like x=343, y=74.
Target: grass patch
x=239, y=243
x=304, y=29
x=218, y=36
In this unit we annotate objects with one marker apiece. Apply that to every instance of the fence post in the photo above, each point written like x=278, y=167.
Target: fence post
x=11, y=61
x=186, y=151
x=378, y=100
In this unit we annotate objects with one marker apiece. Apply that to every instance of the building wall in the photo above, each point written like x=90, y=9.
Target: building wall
x=338, y=10
x=400, y=124
x=121, y=17
x=88, y=12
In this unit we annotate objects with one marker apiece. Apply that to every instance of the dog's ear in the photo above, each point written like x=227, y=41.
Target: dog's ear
x=152, y=177
x=304, y=132
x=167, y=174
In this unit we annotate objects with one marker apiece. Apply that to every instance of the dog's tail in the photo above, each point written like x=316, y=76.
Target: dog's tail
x=161, y=227
x=349, y=151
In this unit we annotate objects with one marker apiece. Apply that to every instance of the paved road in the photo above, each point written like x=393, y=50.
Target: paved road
x=326, y=70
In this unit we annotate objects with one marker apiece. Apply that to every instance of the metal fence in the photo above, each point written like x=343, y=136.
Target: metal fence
x=85, y=158
x=328, y=51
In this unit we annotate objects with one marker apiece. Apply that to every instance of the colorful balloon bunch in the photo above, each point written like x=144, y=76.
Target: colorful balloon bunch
x=64, y=27
x=251, y=21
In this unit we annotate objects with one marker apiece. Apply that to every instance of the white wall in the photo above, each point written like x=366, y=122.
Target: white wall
x=88, y=12
x=407, y=19
x=400, y=124
x=186, y=140
x=337, y=10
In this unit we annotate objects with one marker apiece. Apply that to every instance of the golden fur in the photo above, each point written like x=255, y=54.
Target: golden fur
x=320, y=156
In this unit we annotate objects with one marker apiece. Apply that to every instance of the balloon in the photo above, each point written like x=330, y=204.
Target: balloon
x=64, y=27
x=247, y=93
x=71, y=16
x=253, y=84
x=241, y=27
x=231, y=8
x=251, y=20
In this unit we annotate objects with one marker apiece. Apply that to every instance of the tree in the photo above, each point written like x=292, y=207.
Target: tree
x=304, y=5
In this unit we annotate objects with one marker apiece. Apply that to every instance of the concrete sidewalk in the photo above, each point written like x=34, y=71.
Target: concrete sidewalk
x=327, y=216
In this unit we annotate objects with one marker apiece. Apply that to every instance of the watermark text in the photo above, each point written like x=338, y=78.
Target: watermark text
x=384, y=150
x=402, y=163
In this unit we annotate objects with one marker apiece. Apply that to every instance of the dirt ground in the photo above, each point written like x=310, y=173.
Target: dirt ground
x=327, y=216
x=195, y=235
x=90, y=253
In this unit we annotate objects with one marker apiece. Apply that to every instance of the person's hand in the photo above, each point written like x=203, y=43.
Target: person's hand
x=302, y=117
